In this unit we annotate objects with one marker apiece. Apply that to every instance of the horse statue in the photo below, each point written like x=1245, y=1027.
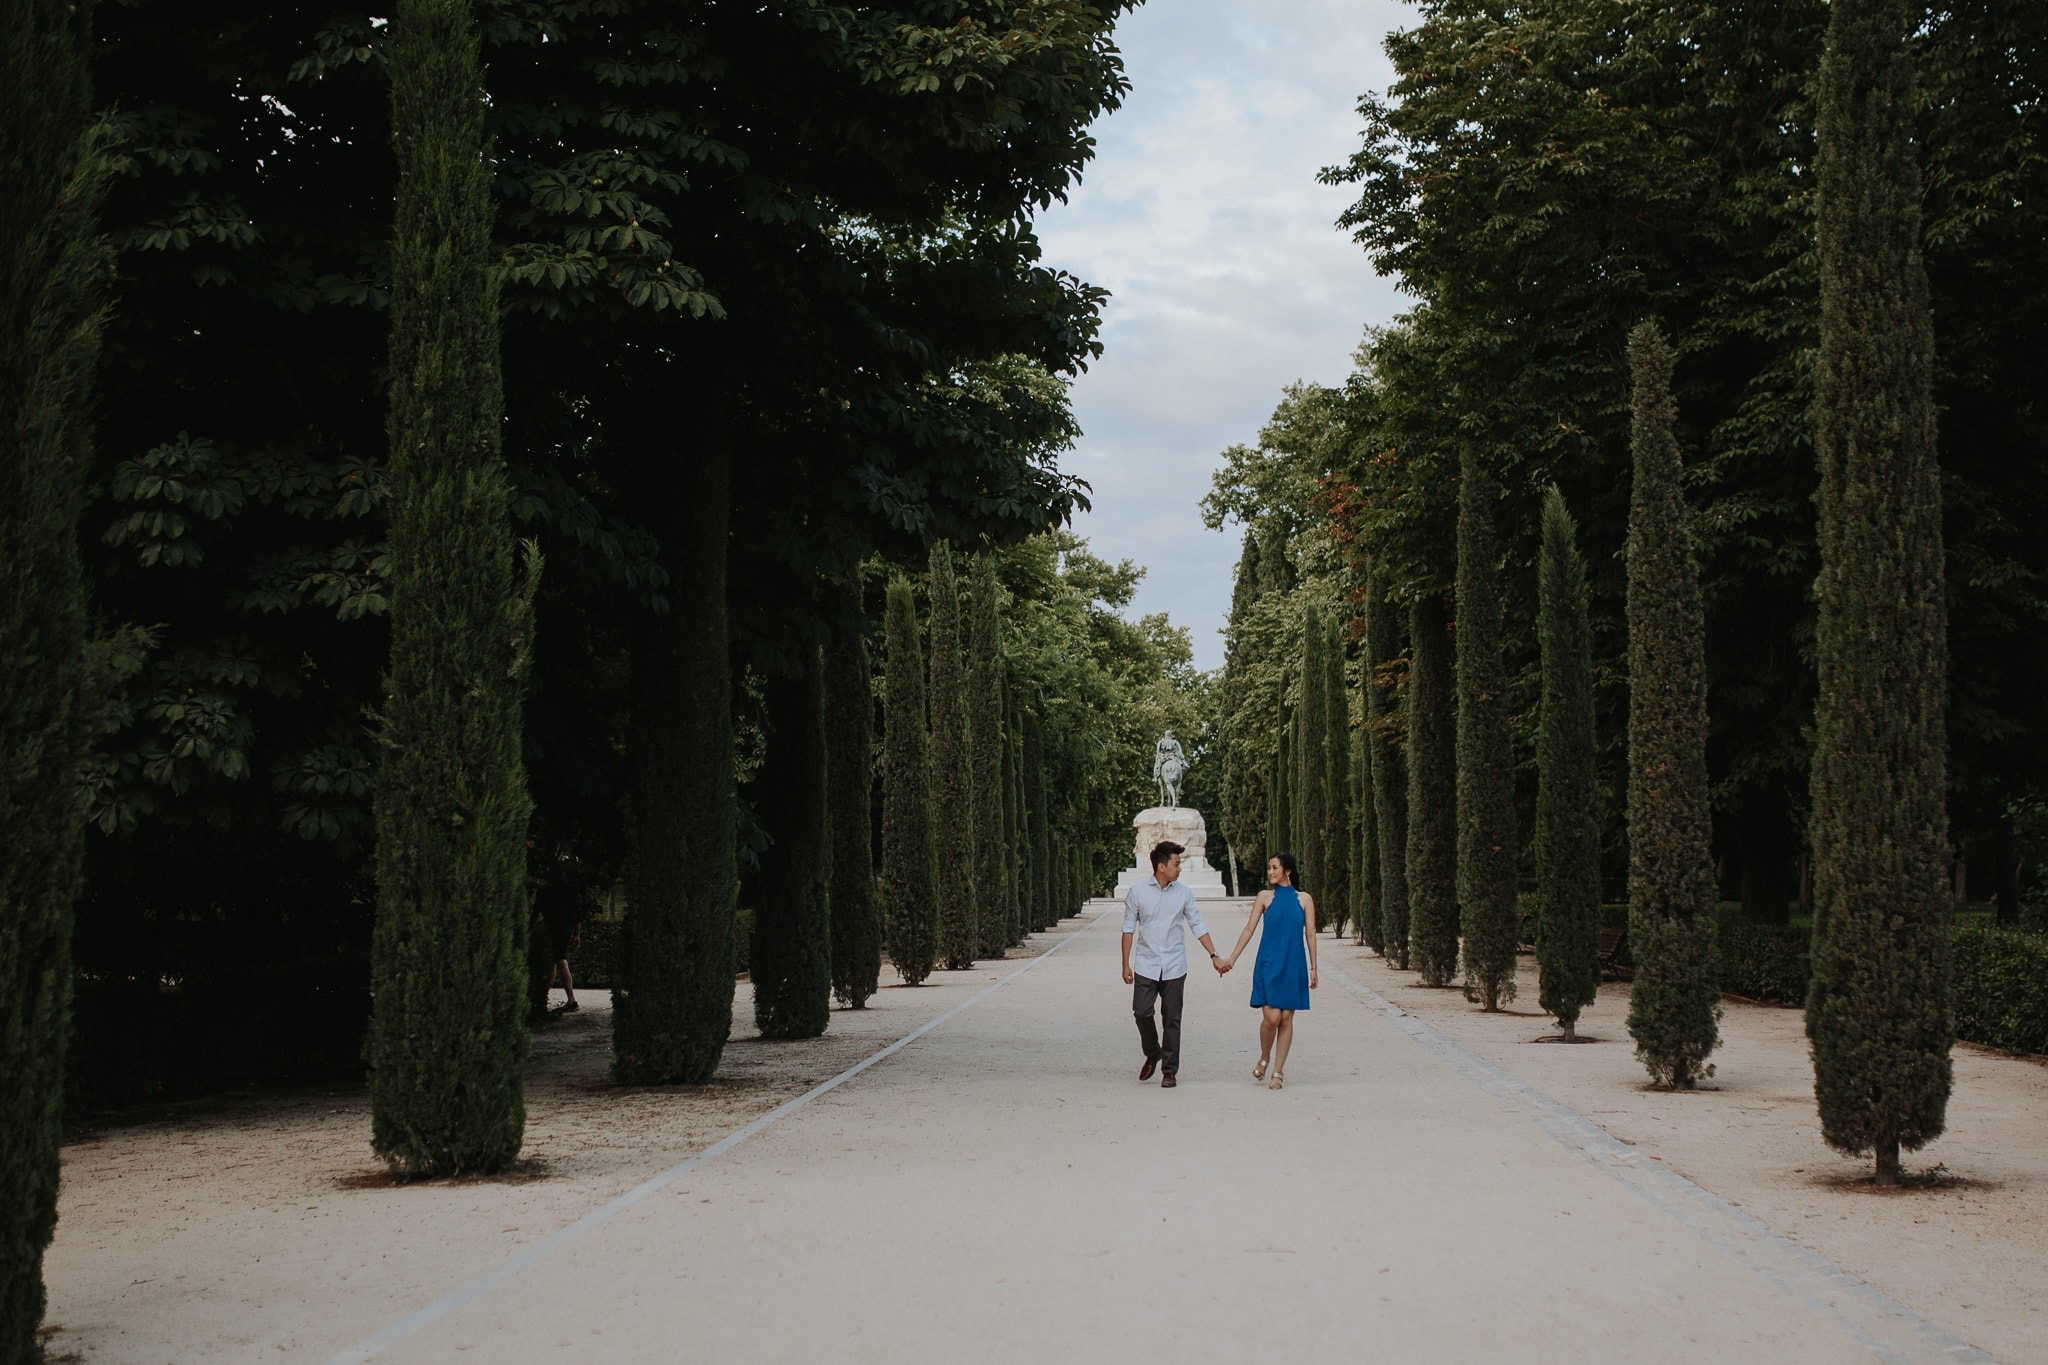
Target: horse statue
x=1169, y=765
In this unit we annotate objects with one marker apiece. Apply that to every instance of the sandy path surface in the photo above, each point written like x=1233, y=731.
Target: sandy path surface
x=1002, y=1187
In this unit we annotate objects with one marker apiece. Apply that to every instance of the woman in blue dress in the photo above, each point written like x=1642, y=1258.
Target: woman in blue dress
x=1285, y=970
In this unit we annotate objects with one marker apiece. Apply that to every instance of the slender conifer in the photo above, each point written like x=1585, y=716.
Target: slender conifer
x=1366, y=920
x=1336, y=781
x=910, y=860
x=1489, y=848
x=1312, y=734
x=447, y=1045
x=955, y=798
x=1432, y=795
x=1879, y=1013
x=1567, y=782
x=849, y=769
x=790, y=956
x=1389, y=770
x=55, y=276
x=1675, y=1003
x=1038, y=806
x=985, y=751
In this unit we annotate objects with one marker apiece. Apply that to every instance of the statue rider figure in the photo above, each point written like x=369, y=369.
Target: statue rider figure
x=1169, y=765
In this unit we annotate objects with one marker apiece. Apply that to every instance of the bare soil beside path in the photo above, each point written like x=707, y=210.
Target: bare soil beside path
x=1003, y=1187
x=259, y=1225
x=1971, y=1251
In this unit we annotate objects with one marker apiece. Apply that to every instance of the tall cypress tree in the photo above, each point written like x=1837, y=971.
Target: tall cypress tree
x=1365, y=870
x=985, y=750
x=1675, y=1005
x=447, y=1044
x=55, y=273
x=790, y=956
x=1389, y=772
x=954, y=794
x=1489, y=849
x=673, y=980
x=1039, y=814
x=1279, y=819
x=1879, y=1012
x=849, y=771
x=1567, y=780
x=1337, y=780
x=1432, y=795
x=1017, y=871
x=1312, y=732
x=910, y=857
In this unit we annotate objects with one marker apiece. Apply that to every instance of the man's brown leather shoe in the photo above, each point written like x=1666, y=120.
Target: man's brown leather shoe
x=1151, y=1065
x=1169, y=1083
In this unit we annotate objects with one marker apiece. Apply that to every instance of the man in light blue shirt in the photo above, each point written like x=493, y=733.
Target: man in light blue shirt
x=1157, y=915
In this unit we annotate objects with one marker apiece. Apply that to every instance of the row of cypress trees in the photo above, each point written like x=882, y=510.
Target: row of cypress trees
x=1356, y=478
x=974, y=855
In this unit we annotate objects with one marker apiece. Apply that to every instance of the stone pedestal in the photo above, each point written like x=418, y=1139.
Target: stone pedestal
x=1181, y=825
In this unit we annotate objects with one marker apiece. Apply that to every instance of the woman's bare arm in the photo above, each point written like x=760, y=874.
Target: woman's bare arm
x=1258, y=909
x=1308, y=933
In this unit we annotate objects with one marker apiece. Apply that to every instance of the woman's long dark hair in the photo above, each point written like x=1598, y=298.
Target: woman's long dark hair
x=1287, y=866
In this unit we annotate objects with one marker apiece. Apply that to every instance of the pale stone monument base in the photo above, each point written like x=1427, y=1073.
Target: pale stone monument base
x=1182, y=825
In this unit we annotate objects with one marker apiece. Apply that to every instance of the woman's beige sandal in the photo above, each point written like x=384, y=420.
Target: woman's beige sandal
x=1259, y=1071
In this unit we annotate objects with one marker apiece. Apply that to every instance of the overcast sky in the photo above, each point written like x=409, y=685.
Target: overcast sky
x=1202, y=216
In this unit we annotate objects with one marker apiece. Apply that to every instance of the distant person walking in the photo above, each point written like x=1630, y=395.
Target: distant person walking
x=1157, y=915
x=559, y=898
x=1285, y=970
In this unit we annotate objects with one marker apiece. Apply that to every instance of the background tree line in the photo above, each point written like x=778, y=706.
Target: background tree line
x=1544, y=181
x=716, y=320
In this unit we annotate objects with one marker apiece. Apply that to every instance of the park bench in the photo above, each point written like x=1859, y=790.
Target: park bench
x=1610, y=947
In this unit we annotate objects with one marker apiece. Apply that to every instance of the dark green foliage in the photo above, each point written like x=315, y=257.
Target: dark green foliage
x=1568, y=803
x=1039, y=815
x=55, y=271
x=910, y=866
x=672, y=1002
x=1297, y=794
x=1280, y=815
x=955, y=799
x=1489, y=847
x=986, y=740
x=1432, y=795
x=849, y=757
x=448, y=1042
x=2001, y=987
x=1016, y=869
x=1879, y=1014
x=1389, y=770
x=1336, y=784
x=1312, y=763
x=1365, y=847
x=790, y=951
x=1767, y=962
x=1675, y=1004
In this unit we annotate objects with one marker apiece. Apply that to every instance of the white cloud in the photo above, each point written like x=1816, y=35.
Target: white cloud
x=1201, y=214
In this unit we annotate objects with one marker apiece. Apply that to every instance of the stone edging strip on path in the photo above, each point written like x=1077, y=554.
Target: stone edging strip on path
x=440, y=1308
x=1889, y=1329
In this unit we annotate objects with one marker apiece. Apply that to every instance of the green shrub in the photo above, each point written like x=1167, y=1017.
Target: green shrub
x=2001, y=988
x=1769, y=962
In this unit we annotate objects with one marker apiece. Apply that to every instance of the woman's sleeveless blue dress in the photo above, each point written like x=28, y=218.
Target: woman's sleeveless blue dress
x=1280, y=975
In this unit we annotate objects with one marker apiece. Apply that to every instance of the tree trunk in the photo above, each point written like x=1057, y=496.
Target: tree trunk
x=672, y=1006
x=55, y=276
x=447, y=1044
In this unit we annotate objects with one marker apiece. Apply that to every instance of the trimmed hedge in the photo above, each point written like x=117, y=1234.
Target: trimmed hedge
x=1768, y=962
x=2001, y=987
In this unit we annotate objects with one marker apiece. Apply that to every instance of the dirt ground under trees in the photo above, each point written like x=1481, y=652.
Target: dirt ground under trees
x=259, y=1227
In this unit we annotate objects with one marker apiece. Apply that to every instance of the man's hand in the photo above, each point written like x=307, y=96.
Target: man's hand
x=1129, y=976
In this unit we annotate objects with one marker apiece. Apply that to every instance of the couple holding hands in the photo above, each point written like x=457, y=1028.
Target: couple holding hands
x=1156, y=960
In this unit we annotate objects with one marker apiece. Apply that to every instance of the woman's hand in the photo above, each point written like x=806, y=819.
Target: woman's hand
x=1311, y=976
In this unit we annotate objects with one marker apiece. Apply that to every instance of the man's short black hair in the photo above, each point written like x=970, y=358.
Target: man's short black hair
x=1162, y=851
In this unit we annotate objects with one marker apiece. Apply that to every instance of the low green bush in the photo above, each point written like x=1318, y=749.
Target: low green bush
x=2001, y=987
x=1769, y=962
